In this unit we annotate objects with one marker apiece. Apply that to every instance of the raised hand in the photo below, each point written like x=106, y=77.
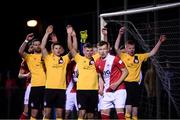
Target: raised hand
x=30, y=36
x=122, y=30
x=73, y=33
x=162, y=38
x=53, y=38
x=49, y=29
x=104, y=31
x=69, y=29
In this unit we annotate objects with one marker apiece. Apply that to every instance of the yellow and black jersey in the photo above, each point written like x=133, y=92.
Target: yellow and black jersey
x=88, y=77
x=56, y=71
x=35, y=65
x=133, y=64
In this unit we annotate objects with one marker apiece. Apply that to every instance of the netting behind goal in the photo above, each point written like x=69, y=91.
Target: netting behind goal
x=160, y=96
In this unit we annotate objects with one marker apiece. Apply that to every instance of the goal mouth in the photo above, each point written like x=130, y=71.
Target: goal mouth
x=144, y=25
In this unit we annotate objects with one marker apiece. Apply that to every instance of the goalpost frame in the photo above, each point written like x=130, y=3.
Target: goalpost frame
x=133, y=11
x=136, y=11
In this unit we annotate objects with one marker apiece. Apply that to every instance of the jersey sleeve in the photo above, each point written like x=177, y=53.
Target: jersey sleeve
x=66, y=58
x=77, y=57
x=96, y=56
x=97, y=66
x=143, y=57
x=119, y=63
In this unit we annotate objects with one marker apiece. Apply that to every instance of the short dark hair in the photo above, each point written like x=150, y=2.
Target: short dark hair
x=87, y=45
x=101, y=43
x=94, y=45
x=130, y=42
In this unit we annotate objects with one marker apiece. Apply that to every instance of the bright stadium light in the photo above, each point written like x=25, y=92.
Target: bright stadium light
x=32, y=23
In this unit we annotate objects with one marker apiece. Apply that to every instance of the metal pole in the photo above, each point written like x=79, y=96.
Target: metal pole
x=158, y=107
x=169, y=99
x=140, y=10
x=125, y=19
x=98, y=21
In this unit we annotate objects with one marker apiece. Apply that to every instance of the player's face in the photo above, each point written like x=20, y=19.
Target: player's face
x=58, y=50
x=30, y=49
x=36, y=46
x=130, y=49
x=103, y=51
x=88, y=52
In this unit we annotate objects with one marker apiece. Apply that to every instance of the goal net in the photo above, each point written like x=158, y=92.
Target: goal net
x=160, y=86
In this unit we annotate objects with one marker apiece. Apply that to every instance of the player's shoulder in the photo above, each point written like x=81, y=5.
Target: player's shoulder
x=116, y=57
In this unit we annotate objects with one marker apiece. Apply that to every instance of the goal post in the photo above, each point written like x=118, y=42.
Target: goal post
x=134, y=11
x=145, y=24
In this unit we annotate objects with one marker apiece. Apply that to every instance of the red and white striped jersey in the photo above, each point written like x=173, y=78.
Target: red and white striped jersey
x=24, y=70
x=72, y=76
x=110, y=69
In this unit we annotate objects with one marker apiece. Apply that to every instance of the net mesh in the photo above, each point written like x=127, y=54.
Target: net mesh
x=160, y=96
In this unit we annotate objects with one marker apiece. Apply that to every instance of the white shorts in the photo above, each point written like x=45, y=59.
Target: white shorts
x=26, y=96
x=71, y=101
x=115, y=99
x=99, y=102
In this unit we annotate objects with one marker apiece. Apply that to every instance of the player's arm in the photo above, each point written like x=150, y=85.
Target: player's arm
x=23, y=75
x=54, y=38
x=118, y=40
x=74, y=38
x=23, y=72
x=101, y=84
x=29, y=37
x=71, y=45
x=105, y=34
x=124, y=71
x=100, y=79
x=49, y=30
x=156, y=48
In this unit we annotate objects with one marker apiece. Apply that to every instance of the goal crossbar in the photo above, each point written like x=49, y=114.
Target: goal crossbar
x=139, y=10
x=133, y=11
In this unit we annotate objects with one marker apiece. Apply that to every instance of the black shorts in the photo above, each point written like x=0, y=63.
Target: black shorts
x=88, y=100
x=36, y=97
x=133, y=93
x=54, y=98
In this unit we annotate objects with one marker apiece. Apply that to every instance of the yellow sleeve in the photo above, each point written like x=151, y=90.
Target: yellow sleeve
x=96, y=56
x=143, y=57
x=66, y=58
x=77, y=57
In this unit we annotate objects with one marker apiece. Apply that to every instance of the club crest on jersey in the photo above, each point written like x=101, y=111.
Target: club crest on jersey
x=91, y=62
x=136, y=60
x=120, y=62
x=61, y=61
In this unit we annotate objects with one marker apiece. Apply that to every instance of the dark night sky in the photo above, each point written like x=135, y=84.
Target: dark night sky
x=80, y=13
